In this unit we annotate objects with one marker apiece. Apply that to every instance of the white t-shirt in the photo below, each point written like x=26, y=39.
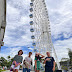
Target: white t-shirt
x=28, y=60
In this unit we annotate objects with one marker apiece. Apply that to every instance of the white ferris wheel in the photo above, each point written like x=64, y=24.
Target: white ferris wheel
x=40, y=28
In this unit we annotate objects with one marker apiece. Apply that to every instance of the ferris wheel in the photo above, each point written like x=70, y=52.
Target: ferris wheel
x=40, y=28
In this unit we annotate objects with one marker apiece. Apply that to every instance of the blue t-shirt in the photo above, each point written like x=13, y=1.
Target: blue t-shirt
x=50, y=62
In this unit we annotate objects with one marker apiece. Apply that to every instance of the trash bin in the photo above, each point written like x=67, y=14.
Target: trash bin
x=58, y=70
x=65, y=70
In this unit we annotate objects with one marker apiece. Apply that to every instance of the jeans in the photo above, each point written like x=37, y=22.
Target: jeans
x=25, y=69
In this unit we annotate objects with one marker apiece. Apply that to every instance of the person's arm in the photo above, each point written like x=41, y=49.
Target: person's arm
x=42, y=55
x=35, y=65
x=46, y=59
x=31, y=62
x=14, y=62
x=24, y=62
x=17, y=64
x=54, y=65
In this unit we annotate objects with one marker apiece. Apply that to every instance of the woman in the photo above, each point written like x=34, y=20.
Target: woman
x=37, y=61
x=17, y=61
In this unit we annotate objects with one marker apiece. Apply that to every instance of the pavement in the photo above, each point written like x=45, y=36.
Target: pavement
x=11, y=71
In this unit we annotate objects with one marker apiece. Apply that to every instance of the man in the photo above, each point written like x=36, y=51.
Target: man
x=49, y=63
x=27, y=63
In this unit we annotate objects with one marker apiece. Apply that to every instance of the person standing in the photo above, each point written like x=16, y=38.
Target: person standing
x=37, y=61
x=17, y=61
x=27, y=63
x=49, y=63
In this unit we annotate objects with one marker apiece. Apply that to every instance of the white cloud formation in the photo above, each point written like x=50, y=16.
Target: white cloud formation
x=60, y=14
x=18, y=29
x=61, y=48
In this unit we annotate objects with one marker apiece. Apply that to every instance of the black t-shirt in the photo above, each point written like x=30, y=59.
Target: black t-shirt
x=50, y=62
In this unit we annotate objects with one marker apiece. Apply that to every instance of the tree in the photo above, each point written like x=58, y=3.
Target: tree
x=3, y=61
x=67, y=62
x=8, y=57
x=70, y=55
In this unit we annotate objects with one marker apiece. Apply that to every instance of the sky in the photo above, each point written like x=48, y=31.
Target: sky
x=18, y=35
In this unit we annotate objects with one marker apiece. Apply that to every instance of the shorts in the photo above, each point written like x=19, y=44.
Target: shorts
x=48, y=69
x=13, y=67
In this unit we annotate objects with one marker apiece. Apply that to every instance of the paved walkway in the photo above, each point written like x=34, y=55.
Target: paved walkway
x=11, y=71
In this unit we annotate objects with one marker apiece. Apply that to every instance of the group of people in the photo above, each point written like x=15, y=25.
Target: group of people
x=27, y=62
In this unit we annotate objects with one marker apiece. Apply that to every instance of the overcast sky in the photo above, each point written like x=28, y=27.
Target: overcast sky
x=18, y=35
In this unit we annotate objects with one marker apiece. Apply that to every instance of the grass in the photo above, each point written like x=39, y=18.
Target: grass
x=2, y=70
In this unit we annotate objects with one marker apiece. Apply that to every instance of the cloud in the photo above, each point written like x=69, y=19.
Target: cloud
x=13, y=14
x=17, y=34
x=30, y=48
x=18, y=28
x=10, y=51
x=61, y=48
x=60, y=15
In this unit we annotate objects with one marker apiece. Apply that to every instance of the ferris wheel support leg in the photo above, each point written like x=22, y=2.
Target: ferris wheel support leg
x=58, y=64
x=0, y=38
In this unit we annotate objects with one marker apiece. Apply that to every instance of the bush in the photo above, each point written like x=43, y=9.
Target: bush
x=2, y=70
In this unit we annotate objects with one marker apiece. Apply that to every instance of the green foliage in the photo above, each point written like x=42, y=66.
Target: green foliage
x=6, y=62
x=64, y=67
x=67, y=62
x=70, y=55
x=2, y=70
x=8, y=57
x=20, y=66
x=3, y=61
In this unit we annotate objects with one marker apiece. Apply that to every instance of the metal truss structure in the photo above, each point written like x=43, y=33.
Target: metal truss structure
x=40, y=28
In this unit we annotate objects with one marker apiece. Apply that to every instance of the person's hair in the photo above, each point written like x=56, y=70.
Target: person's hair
x=30, y=52
x=38, y=57
x=19, y=51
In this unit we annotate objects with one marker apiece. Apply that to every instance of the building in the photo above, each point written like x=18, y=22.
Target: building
x=2, y=21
